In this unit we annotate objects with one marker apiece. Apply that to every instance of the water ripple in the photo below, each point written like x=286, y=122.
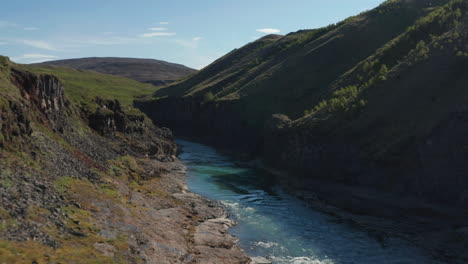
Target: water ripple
x=279, y=227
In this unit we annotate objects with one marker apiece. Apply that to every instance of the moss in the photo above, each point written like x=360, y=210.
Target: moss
x=108, y=190
x=6, y=178
x=63, y=184
x=126, y=167
x=37, y=214
x=208, y=97
x=4, y=61
x=149, y=189
x=32, y=251
x=28, y=160
x=80, y=220
x=6, y=220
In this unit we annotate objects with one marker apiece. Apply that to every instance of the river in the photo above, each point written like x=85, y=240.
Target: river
x=279, y=227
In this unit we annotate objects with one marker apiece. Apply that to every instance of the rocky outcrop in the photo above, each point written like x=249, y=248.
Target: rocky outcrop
x=101, y=186
x=109, y=118
x=43, y=99
x=46, y=93
x=14, y=122
x=442, y=156
x=218, y=123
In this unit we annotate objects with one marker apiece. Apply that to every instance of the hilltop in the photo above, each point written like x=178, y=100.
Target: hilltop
x=156, y=72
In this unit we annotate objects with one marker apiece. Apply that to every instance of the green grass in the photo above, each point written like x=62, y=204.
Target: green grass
x=6, y=87
x=82, y=87
x=298, y=71
x=410, y=44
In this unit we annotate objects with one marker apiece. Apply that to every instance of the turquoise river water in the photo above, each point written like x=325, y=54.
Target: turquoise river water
x=279, y=227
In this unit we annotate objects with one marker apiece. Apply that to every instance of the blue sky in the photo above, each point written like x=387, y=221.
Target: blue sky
x=190, y=32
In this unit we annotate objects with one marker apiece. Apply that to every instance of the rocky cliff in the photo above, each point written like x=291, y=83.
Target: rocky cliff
x=209, y=121
x=407, y=122
x=92, y=180
x=366, y=98
x=367, y=115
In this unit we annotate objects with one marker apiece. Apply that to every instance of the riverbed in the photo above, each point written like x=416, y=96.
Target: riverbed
x=277, y=226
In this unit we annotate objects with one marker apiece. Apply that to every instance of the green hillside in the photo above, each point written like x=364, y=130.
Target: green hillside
x=374, y=96
x=82, y=87
x=151, y=71
x=69, y=150
x=289, y=74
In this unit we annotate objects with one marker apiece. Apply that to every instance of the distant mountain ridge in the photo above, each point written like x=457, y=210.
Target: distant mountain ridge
x=152, y=71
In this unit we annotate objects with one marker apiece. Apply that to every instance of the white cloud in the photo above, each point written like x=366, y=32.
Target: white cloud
x=269, y=30
x=38, y=44
x=164, y=23
x=197, y=38
x=33, y=58
x=157, y=29
x=38, y=56
x=30, y=28
x=158, y=34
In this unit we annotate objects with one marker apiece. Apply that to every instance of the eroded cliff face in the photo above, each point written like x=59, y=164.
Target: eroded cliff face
x=109, y=119
x=392, y=120
x=102, y=186
x=45, y=93
x=218, y=123
x=432, y=167
x=13, y=122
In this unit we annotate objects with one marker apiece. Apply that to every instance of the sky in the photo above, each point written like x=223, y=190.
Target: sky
x=189, y=32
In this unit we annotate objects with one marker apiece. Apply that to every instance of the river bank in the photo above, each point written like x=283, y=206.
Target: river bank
x=189, y=228
x=440, y=230
x=274, y=224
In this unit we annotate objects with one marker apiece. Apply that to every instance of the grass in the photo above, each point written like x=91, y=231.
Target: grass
x=6, y=87
x=82, y=87
x=6, y=178
x=410, y=44
x=34, y=252
x=6, y=221
x=287, y=75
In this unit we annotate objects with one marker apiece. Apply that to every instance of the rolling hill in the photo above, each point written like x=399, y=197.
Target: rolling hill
x=151, y=71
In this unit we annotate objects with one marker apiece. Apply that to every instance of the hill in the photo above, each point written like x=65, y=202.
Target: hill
x=87, y=178
x=368, y=115
x=379, y=92
x=285, y=74
x=151, y=71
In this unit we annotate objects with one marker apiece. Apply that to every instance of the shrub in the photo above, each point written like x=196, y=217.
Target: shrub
x=208, y=97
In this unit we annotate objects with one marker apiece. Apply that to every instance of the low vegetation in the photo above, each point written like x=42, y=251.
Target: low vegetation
x=82, y=87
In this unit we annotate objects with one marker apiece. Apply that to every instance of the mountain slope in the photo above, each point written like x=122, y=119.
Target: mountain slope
x=87, y=178
x=368, y=116
x=278, y=74
x=151, y=71
x=395, y=70
x=409, y=119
